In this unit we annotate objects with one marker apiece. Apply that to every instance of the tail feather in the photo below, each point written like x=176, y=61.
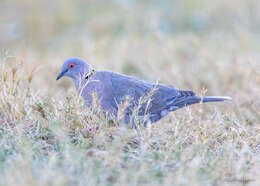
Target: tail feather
x=215, y=98
x=175, y=104
x=185, y=101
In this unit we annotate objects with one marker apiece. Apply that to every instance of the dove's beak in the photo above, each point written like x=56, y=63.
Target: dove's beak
x=61, y=74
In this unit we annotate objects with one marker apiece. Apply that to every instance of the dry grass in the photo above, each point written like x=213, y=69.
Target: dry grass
x=49, y=137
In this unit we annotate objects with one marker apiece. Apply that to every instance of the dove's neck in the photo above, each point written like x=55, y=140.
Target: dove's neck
x=80, y=85
x=81, y=82
x=76, y=83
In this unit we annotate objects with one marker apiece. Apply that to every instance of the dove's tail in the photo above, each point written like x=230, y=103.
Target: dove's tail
x=196, y=99
x=190, y=98
x=215, y=98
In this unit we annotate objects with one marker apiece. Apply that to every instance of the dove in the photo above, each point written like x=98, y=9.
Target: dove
x=154, y=101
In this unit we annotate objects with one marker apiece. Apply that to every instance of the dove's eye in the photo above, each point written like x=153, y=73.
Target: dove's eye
x=71, y=65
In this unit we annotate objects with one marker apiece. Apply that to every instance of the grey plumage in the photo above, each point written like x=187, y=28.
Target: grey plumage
x=113, y=88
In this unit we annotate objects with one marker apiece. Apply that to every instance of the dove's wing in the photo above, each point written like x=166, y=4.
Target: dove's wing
x=162, y=98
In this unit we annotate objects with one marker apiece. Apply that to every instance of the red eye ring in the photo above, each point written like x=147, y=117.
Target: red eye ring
x=71, y=65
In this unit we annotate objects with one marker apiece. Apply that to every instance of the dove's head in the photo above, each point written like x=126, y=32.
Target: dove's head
x=74, y=68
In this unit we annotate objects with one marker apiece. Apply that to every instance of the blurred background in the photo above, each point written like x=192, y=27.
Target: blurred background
x=191, y=44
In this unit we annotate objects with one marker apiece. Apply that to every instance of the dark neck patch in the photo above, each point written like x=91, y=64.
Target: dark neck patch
x=88, y=75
